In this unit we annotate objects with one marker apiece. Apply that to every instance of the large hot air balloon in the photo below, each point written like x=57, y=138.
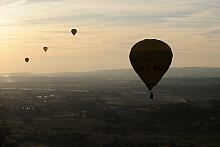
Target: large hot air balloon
x=45, y=48
x=26, y=59
x=150, y=59
x=74, y=31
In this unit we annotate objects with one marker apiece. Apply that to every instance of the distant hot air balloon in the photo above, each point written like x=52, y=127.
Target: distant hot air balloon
x=45, y=48
x=26, y=59
x=150, y=59
x=74, y=31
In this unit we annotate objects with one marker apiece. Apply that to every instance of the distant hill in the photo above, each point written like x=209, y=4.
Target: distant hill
x=193, y=72
x=184, y=72
x=116, y=74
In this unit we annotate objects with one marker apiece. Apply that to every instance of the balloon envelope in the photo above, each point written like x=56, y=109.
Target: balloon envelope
x=26, y=59
x=74, y=31
x=45, y=48
x=150, y=59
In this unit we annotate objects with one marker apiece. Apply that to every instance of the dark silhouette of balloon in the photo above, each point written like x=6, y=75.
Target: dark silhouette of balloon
x=150, y=59
x=45, y=48
x=26, y=59
x=151, y=95
x=74, y=31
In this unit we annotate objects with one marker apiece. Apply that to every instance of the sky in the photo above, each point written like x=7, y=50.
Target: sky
x=107, y=29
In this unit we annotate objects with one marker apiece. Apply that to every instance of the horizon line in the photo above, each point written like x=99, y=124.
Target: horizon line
x=98, y=70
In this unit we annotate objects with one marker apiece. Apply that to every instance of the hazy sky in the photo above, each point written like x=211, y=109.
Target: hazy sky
x=107, y=31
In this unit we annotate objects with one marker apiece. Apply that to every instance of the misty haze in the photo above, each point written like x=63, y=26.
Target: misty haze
x=109, y=73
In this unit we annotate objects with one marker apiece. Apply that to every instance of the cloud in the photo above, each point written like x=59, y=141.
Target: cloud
x=4, y=2
x=121, y=12
x=10, y=2
x=212, y=32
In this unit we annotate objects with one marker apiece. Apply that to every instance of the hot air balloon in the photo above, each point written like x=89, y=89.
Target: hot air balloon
x=45, y=48
x=150, y=59
x=26, y=59
x=74, y=31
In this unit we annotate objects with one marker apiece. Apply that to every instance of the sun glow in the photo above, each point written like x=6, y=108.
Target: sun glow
x=105, y=34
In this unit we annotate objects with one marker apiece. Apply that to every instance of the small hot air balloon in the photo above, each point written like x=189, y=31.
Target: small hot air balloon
x=74, y=31
x=26, y=59
x=45, y=48
x=150, y=59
